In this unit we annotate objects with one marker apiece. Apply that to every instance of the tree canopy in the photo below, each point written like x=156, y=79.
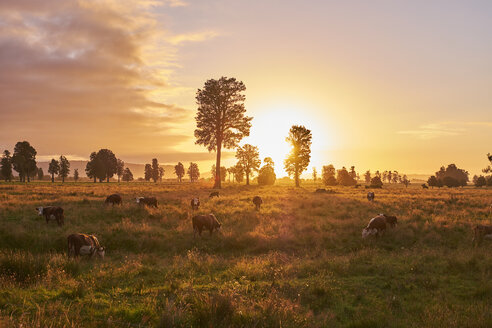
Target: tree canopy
x=298, y=160
x=24, y=160
x=249, y=159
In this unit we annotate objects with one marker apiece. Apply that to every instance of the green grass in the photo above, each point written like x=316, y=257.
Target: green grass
x=299, y=262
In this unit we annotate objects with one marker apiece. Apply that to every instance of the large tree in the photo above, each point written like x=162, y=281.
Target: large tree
x=148, y=172
x=102, y=165
x=93, y=166
x=249, y=159
x=298, y=160
x=221, y=120
x=155, y=169
x=127, y=175
x=53, y=168
x=344, y=178
x=64, y=168
x=179, y=170
x=24, y=160
x=193, y=172
x=6, y=163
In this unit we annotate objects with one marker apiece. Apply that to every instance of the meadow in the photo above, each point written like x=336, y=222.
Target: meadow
x=299, y=262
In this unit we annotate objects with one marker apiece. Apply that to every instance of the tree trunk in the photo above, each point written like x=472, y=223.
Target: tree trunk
x=63, y=179
x=107, y=178
x=296, y=174
x=52, y=177
x=217, y=184
x=247, y=178
x=94, y=179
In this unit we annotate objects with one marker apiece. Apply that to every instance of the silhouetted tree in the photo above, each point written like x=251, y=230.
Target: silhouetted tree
x=127, y=175
x=64, y=168
x=300, y=155
x=352, y=173
x=76, y=175
x=6, y=164
x=40, y=173
x=479, y=181
x=367, y=177
x=161, y=173
x=102, y=165
x=315, y=174
x=148, y=172
x=155, y=169
x=488, y=169
x=452, y=176
x=432, y=181
x=238, y=172
x=395, y=176
x=376, y=182
x=53, y=168
x=249, y=159
x=120, y=168
x=93, y=166
x=193, y=172
x=24, y=160
x=404, y=180
x=223, y=172
x=328, y=175
x=221, y=120
x=267, y=175
x=390, y=176
x=384, y=176
x=344, y=178
x=179, y=170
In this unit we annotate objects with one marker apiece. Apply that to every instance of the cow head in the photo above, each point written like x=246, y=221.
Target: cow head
x=369, y=232
x=100, y=252
x=138, y=199
x=39, y=210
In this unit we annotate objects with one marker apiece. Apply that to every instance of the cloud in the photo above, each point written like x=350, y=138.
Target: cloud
x=443, y=129
x=76, y=76
x=192, y=37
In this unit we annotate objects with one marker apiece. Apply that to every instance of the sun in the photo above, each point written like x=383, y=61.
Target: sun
x=271, y=125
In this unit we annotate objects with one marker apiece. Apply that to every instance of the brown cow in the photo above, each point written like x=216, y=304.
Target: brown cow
x=480, y=232
x=147, y=201
x=208, y=222
x=213, y=194
x=53, y=213
x=195, y=203
x=82, y=244
x=377, y=225
x=257, y=201
x=113, y=199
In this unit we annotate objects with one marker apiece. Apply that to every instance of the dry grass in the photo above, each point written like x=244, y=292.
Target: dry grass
x=299, y=262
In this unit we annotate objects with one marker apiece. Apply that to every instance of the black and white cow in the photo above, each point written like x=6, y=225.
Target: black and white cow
x=195, y=203
x=377, y=225
x=147, y=201
x=83, y=244
x=370, y=196
x=52, y=213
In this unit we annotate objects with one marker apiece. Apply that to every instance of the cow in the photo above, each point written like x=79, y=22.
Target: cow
x=377, y=225
x=370, y=196
x=480, y=232
x=53, y=213
x=147, y=201
x=113, y=199
x=195, y=203
x=257, y=201
x=214, y=194
x=321, y=191
x=424, y=186
x=83, y=244
x=202, y=222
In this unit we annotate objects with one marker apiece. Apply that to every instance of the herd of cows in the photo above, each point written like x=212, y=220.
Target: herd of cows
x=85, y=244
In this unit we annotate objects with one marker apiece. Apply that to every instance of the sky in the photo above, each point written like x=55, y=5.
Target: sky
x=383, y=85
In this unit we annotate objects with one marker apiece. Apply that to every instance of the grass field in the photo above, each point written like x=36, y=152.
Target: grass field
x=299, y=262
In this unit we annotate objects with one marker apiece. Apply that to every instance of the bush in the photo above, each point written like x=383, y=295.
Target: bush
x=376, y=182
x=479, y=181
x=266, y=176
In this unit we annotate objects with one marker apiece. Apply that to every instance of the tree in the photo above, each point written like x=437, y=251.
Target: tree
x=352, y=173
x=24, y=160
x=148, y=172
x=40, y=174
x=238, y=173
x=328, y=175
x=93, y=166
x=315, y=174
x=221, y=120
x=367, y=177
x=249, y=159
x=405, y=181
x=432, y=181
x=385, y=176
x=6, y=163
x=452, y=176
x=267, y=175
x=102, y=165
x=161, y=173
x=53, y=168
x=64, y=168
x=488, y=169
x=33, y=174
x=298, y=160
x=127, y=175
x=76, y=175
x=479, y=181
x=179, y=170
x=120, y=167
x=193, y=172
x=155, y=170
x=344, y=178
x=395, y=176
x=376, y=182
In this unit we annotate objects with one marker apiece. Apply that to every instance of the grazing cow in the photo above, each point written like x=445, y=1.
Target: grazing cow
x=53, y=213
x=113, y=199
x=321, y=191
x=214, y=194
x=257, y=201
x=147, y=201
x=480, y=232
x=377, y=225
x=195, y=203
x=202, y=222
x=370, y=196
x=424, y=186
x=82, y=244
